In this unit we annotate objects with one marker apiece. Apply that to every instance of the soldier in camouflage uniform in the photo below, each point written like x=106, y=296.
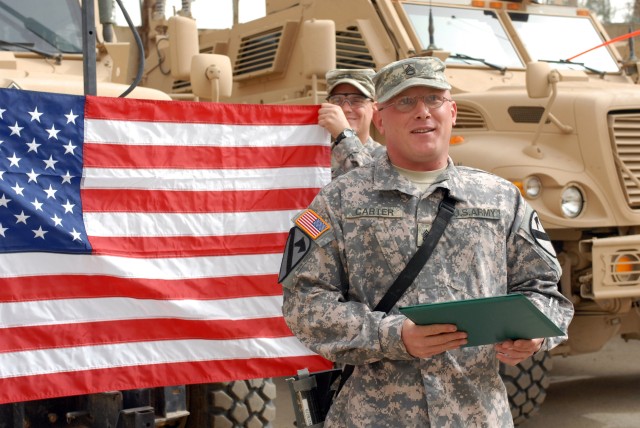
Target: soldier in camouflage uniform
x=347, y=116
x=362, y=229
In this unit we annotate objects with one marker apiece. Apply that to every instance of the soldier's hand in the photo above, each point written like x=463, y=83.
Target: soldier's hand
x=424, y=341
x=332, y=118
x=512, y=352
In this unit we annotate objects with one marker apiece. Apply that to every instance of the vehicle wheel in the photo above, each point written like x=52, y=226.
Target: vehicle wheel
x=527, y=385
x=239, y=404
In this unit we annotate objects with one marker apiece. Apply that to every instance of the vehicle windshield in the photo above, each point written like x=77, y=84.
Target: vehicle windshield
x=32, y=25
x=546, y=39
x=477, y=37
x=472, y=36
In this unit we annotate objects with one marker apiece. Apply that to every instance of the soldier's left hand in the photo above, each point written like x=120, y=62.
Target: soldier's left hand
x=332, y=118
x=512, y=352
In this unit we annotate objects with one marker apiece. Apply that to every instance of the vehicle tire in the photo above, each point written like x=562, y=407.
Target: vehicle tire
x=239, y=404
x=527, y=385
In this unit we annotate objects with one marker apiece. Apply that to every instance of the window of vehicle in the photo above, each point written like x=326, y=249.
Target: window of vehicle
x=30, y=25
x=559, y=38
x=472, y=36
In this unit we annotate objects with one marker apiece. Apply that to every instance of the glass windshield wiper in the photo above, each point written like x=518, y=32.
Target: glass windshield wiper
x=580, y=64
x=29, y=47
x=470, y=58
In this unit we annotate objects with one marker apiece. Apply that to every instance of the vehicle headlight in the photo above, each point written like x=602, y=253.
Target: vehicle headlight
x=532, y=187
x=572, y=202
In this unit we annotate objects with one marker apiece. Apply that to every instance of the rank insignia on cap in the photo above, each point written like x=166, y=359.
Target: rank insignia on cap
x=312, y=224
x=409, y=70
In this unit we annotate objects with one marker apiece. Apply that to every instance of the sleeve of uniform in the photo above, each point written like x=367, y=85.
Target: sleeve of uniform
x=533, y=269
x=317, y=311
x=350, y=153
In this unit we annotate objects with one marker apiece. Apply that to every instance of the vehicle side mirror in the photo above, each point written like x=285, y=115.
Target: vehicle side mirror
x=538, y=83
x=211, y=76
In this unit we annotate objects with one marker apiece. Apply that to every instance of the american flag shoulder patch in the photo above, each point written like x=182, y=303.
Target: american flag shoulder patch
x=312, y=224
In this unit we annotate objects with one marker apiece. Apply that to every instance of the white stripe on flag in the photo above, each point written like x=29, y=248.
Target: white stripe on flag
x=210, y=180
x=29, y=363
x=193, y=134
x=33, y=264
x=71, y=311
x=210, y=224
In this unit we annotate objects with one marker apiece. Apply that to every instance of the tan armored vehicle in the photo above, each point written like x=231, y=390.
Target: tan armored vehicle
x=544, y=110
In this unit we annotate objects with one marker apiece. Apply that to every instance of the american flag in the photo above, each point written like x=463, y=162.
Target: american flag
x=312, y=224
x=140, y=241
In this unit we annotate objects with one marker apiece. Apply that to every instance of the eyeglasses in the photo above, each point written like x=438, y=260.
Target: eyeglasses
x=354, y=100
x=406, y=104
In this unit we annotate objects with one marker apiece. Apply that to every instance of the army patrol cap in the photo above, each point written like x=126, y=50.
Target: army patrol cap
x=406, y=73
x=359, y=78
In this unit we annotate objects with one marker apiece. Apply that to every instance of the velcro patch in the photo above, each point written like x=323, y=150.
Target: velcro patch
x=539, y=235
x=488, y=213
x=312, y=224
x=374, y=211
x=298, y=245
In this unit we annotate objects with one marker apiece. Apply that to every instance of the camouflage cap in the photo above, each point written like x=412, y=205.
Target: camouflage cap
x=359, y=78
x=406, y=73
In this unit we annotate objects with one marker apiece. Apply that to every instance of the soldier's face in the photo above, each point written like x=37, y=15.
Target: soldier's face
x=359, y=117
x=417, y=138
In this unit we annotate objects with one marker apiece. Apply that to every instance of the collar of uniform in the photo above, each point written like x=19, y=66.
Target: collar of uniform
x=385, y=177
x=453, y=182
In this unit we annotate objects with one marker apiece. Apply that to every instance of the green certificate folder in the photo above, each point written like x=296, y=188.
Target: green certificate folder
x=487, y=320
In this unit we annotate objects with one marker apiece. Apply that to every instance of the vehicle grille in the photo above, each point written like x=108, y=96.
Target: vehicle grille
x=625, y=133
x=265, y=53
x=351, y=50
x=526, y=114
x=181, y=87
x=469, y=118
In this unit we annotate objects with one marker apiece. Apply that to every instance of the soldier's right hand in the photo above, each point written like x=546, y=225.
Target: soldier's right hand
x=423, y=341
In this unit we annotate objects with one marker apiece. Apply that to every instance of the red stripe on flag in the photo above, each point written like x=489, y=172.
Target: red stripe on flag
x=135, y=110
x=138, y=330
x=199, y=157
x=155, y=375
x=174, y=201
x=189, y=246
x=53, y=287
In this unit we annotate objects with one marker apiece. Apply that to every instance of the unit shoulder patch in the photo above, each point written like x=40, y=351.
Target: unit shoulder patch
x=297, y=246
x=539, y=235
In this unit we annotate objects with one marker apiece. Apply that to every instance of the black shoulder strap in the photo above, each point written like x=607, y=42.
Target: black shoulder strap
x=417, y=262
x=413, y=268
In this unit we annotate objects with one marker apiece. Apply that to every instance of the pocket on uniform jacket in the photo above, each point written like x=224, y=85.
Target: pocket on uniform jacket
x=374, y=254
x=474, y=279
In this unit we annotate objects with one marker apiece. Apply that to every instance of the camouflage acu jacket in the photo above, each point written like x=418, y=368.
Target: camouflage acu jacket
x=351, y=153
x=361, y=231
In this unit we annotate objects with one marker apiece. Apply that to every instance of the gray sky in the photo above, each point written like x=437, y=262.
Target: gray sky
x=208, y=13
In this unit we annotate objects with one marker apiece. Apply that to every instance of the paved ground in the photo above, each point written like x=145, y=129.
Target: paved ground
x=599, y=390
